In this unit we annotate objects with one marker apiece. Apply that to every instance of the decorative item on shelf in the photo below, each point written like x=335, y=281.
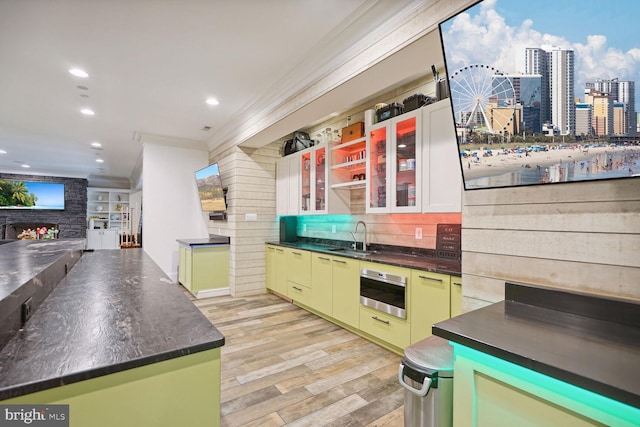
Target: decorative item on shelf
x=99, y=208
x=337, y=136
x=99, y=198
x=369, y=117
x=352, y=132
x=389, y=111
x=118, y=207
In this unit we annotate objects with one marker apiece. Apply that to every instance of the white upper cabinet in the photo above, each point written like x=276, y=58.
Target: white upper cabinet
x=442, y=176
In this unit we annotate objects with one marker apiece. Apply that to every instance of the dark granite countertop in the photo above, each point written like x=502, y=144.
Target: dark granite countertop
x=212, y=240
x=115, y=310
x=425, y=260
x=593, y=343
x=21, y=260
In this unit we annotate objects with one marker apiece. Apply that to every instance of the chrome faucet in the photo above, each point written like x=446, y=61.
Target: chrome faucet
x=364, y=238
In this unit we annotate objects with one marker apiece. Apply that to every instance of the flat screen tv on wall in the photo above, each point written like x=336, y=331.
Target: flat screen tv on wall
x=31, y=195
x=544, y=94
x=210, y=189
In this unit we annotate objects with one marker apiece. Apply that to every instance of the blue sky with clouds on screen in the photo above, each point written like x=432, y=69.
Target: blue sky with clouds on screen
x=496, y=33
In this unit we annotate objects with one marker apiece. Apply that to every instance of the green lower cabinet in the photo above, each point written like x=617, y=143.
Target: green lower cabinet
x=270, y=266
x=491, y=392
x=346, y=290
x=184, y=391
x=385, y=327
x=456, y=296
x=276, y=269
x=298, y=266
x=428, y=302
x=204, y=267
x=299, y=293
x=322, y=284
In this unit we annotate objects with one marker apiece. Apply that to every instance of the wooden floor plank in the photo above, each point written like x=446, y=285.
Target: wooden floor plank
x=284, y=366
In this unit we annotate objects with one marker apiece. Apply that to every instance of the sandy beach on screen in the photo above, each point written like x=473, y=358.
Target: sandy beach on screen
x=498, y=164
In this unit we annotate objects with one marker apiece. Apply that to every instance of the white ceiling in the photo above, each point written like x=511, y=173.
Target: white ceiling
x=152, y=64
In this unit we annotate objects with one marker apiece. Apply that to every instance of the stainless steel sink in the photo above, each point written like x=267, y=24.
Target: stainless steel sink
x=352, y=253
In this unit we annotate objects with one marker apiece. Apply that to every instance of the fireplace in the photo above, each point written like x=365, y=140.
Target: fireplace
x=12, y=231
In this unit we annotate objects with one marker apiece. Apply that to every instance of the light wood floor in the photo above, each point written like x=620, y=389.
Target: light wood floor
x=282, y=365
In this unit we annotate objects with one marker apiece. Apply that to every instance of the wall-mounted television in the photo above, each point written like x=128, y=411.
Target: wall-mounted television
x=544, y=93
x=31, y=195
x=210, y=190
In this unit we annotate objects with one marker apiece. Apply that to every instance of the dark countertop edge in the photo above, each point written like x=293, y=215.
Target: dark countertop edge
x=379, y=258
x=213, y=240
x=49, y=383
x=551, y=371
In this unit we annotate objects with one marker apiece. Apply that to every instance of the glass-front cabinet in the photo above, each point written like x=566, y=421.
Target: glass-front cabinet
x=377, y=183
x=313, y=184
x=394, y=165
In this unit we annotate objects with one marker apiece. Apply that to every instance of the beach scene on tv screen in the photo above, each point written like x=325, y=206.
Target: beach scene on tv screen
x=31, y=195
x=544, y=94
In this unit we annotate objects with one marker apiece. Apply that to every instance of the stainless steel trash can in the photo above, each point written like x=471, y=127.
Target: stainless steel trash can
x=426, y=373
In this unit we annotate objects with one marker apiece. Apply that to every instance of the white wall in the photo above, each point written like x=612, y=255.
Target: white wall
x=171, y=206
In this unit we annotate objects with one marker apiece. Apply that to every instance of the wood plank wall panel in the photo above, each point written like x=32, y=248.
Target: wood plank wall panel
x=578, y=236
x=249, y=175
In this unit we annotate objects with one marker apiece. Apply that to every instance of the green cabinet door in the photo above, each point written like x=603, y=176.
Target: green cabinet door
x=429, y=295
x=299, y=267
x=322, y=284
x=346, y=290
x=280, y=284
x=456, y=296
x=209, y=267
x=270, y=266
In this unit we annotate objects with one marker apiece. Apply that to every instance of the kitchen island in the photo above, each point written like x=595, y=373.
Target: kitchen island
x=546, y=357
x=120, y=343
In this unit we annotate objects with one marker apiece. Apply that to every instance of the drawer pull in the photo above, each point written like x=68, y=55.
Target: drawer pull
x=280, y=250
x=386, y=322
x=323, y=258
x=430, y=278
x=340, y=261
x=296, y=253
x=456, y=283
x=297, y=288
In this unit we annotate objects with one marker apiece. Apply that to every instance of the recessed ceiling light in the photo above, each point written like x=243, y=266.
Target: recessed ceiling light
x=79, y=73
x=3, y=152
x=88, y=112
x=212, y=101
x=99, y=161
x=25, y=166
x=96, y=144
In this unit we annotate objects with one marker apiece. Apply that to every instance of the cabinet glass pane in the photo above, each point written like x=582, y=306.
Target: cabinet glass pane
x=305, y=190
x=405, y=168
x=378, y=168
x=320, y=181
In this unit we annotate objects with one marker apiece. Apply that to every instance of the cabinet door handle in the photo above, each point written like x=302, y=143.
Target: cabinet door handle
x=386, y=322
x=456, y=283
x=280, y=250
x=323, y=258
x=430, y=278
x=296, y=253
x=340, y=261
x=297, y=288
